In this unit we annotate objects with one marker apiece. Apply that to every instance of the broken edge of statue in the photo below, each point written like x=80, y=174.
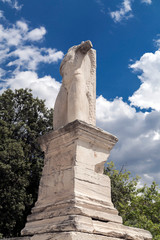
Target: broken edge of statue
x=74, y=200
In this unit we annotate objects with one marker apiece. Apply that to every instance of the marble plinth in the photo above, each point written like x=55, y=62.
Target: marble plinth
x=74, y=200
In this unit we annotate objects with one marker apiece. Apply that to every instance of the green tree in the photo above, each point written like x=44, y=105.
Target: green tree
x=139, y=207
x=22, y=120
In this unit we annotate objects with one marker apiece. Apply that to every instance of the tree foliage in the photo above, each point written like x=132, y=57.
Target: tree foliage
x=139, y=207
x=22, y=119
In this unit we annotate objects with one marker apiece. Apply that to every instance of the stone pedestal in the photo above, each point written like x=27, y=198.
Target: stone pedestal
x=74, y=200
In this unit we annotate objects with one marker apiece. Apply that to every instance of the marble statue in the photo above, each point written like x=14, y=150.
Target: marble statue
x=77, y=95
x=74, y=198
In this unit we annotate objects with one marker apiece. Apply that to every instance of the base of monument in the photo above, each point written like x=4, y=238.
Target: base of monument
x=82, y=227
x=70, y=236
x=116, y=234
x=74, y=200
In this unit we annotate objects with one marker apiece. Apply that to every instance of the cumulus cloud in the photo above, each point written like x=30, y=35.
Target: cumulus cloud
x=138, y=131
x=139, y=137
x=20, y=57
x=146, y=1
x=36, y=34
x=19, y=34
x=124, y=12
x=148, y=95
x=28, y=57
x=13, y=3
x=22, y=25
x=45, y=88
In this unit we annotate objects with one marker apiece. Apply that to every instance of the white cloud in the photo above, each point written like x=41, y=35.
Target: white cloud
x=22, y=25
x=148, y=95
x=28, y=57
x=115, y=109
x=13, y=4
x=147, y=1
x=20, y=57
x=16, y=48
x=156, y=136
x=1, y=14
x=157, y=41
x=138, y=133
x=2, y=72
x=45, y=88
x=147, y=178
x=3, y=53
x=124, y=12
x=36, y=34
x=10, y=36
x=18, y=34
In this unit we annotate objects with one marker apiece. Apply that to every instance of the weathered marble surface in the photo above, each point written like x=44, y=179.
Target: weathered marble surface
x=114, y=234
x=77, y=95
x=73, y=189
x=74, y=195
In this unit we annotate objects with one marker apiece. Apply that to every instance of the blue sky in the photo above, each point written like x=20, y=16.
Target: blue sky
x=35, y=35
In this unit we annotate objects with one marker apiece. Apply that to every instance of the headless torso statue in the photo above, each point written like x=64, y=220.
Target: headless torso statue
x=77, y=96
x=74, y=198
